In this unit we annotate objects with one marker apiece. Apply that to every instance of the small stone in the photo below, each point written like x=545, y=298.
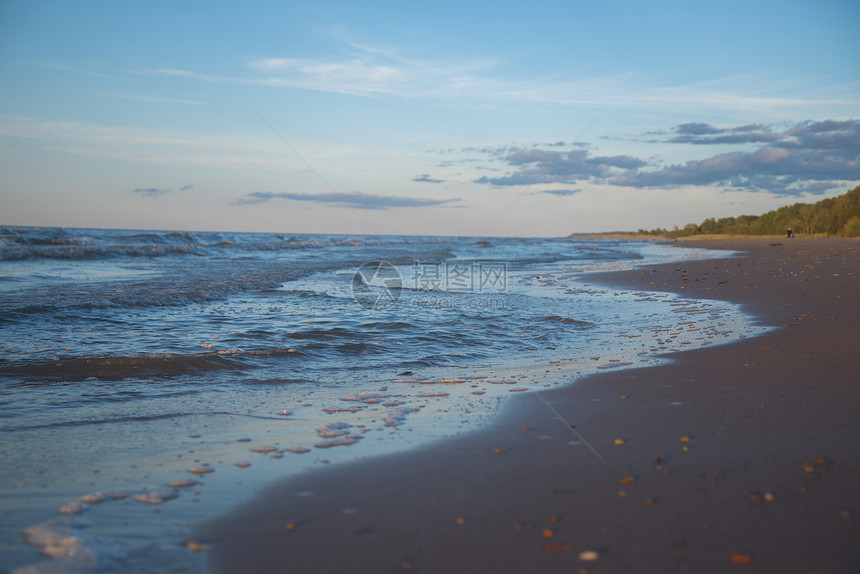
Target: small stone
x=589, y=556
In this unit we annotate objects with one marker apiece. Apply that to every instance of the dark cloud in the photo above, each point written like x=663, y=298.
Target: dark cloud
x=156, y=191
x=805, y=157
x=537, y=166
x=425, y=178
x=355, y=200
x=150, y=191
x=706, y=134
x=696, y=129
x=809, y=157
x=561, y=192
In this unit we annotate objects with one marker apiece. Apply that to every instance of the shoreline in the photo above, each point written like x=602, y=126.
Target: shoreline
x=768, y=476
x=460, y=399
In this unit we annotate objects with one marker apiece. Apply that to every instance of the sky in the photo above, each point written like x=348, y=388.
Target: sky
x=428, y=118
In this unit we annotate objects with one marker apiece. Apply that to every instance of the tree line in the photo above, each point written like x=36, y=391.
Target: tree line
x=837, y=216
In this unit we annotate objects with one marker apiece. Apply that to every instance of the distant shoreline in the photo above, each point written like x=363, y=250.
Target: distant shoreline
x=631, y=235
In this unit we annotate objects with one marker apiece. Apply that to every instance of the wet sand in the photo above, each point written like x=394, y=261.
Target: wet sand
x=741, y=457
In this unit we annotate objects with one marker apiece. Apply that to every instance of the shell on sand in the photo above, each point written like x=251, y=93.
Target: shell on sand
x=263, y=449
x=201, y=469
x=298, y=449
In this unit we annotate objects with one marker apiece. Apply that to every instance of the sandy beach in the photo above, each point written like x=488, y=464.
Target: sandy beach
x=740, y=457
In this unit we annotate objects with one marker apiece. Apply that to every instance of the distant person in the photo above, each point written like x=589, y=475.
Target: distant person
x=789, y=233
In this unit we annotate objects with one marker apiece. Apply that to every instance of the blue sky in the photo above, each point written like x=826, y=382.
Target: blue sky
x=463, y=118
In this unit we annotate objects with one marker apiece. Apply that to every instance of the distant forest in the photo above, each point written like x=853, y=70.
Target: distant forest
x=836, y=216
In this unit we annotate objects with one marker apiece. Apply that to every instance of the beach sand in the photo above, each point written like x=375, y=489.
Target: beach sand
x=741, y=457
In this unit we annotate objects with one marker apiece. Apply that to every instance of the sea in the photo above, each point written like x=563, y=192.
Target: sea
x=150, y=380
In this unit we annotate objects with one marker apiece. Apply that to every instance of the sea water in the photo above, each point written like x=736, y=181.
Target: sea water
x=152, y=379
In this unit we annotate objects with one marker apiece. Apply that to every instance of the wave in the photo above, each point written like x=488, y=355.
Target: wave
x=119, y=367
x=568, y=321
x=134, y=419
x=152, y=365
x=23, y=243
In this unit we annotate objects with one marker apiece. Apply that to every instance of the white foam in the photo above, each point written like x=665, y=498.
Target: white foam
x=75, y=507
x=71, y=548
x=332, y=430
x=154, y=497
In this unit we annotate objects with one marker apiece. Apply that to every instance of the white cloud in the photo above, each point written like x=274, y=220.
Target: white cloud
x=368, y=71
